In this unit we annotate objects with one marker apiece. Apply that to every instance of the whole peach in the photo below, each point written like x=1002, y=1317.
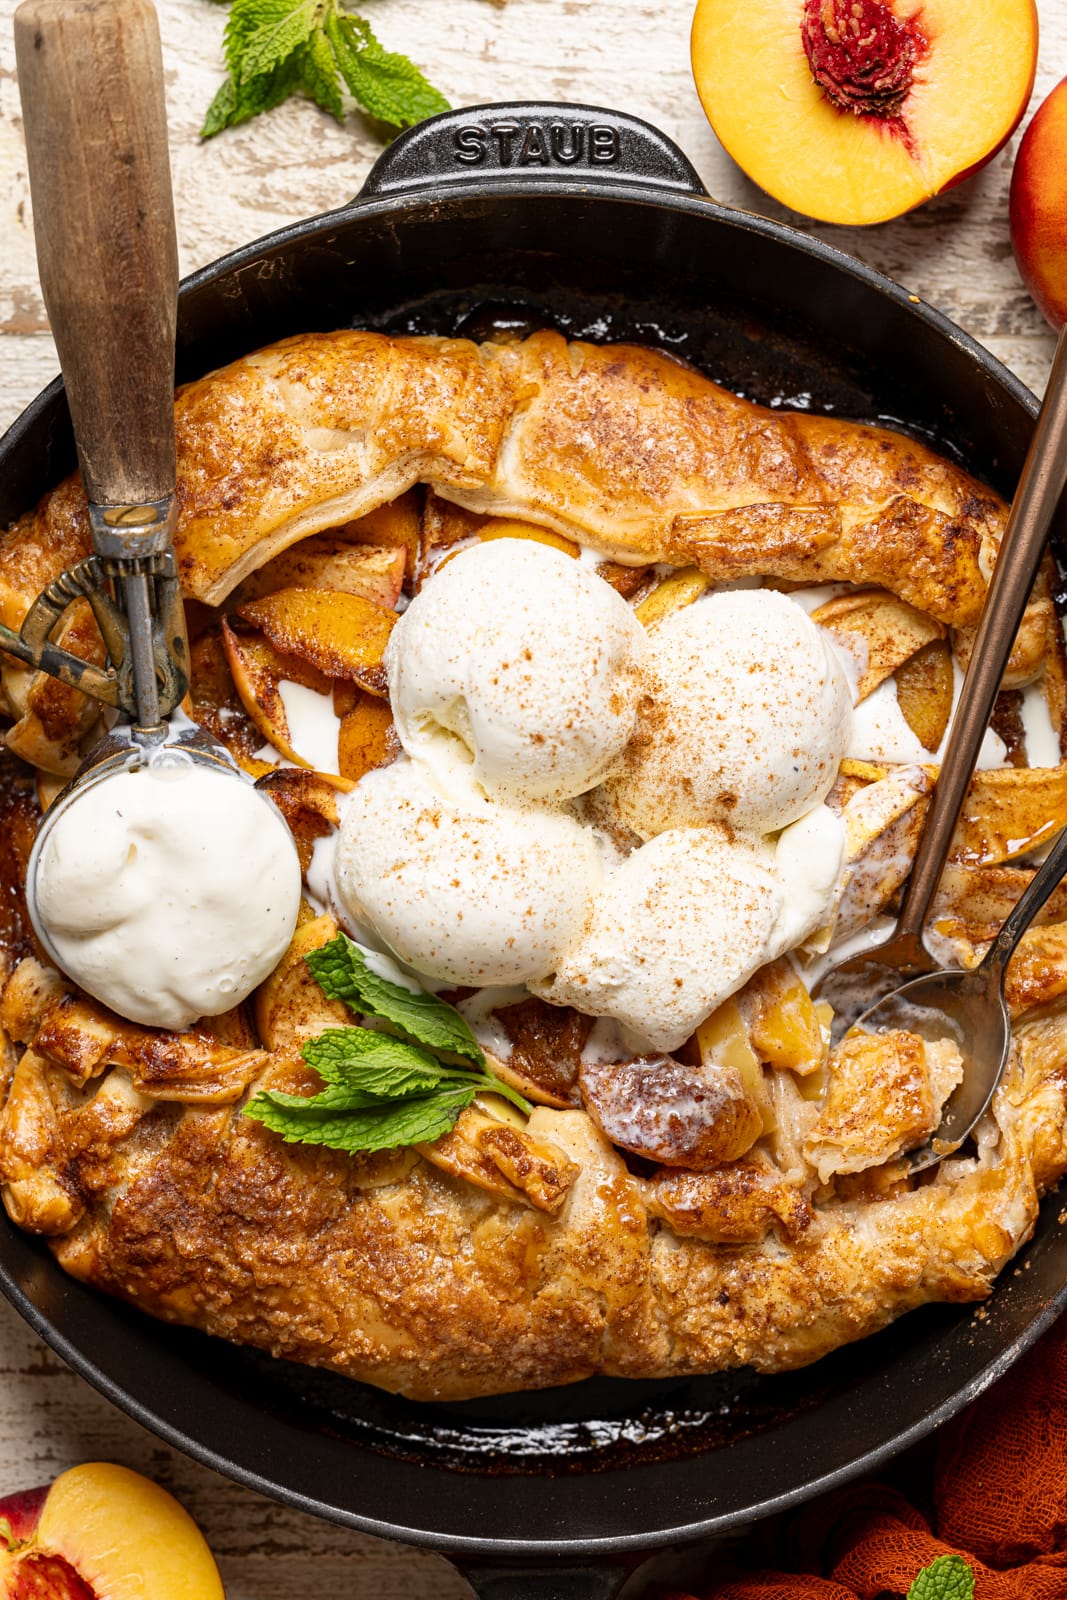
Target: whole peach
x=1038, y=208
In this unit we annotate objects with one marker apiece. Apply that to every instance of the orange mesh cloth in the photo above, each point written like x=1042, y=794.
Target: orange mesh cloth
x=995, y=1493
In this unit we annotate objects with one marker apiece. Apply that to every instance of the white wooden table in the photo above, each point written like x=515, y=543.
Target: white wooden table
x=954, y=252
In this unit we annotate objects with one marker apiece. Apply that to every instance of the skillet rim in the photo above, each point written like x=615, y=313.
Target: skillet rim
x=301, y=234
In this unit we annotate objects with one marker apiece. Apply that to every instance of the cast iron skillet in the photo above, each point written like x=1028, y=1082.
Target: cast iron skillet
x=591, y=221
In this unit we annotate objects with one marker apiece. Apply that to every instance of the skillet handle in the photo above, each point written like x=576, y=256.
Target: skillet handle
x=544, y=1583
x=532, y=145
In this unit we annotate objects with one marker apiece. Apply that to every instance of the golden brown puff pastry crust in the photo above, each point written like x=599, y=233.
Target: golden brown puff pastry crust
x=619, y=447
x=386, y=1269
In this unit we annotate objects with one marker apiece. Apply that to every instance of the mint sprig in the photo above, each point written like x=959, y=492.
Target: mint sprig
x=275, y=48
x=381, y=1091
x=947, y=1578
x=341, y=971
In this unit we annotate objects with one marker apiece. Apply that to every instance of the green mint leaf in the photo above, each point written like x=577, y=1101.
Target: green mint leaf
x=334, y=1100
x=340, y=969
x=387, y=85
x=220, y=113
x=237, y=102
x=248, y=18
x=281, y=27
x=372, y=1063
x=318, y=75
x=421, y=1119
x=947, y=1578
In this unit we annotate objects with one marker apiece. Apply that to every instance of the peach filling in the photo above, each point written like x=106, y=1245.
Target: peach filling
x=861, y=55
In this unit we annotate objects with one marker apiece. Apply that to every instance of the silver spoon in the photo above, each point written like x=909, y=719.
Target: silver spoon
x=91, y=82
x=969, y=1009
x=854, y=983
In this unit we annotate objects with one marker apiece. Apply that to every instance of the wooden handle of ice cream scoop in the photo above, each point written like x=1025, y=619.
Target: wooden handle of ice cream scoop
x=91, y=81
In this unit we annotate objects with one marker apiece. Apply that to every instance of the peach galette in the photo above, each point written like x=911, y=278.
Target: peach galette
x=602, y=706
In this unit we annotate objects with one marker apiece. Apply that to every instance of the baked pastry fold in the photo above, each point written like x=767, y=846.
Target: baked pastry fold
x=619, y=447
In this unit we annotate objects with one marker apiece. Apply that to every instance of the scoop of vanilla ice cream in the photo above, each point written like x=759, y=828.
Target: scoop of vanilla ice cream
x=681, y=925
x=463, y=888
x=168, y=892
x=529, y=658
x=745, y=715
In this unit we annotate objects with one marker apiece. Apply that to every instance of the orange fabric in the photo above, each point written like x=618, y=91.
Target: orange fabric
x=996, y=1494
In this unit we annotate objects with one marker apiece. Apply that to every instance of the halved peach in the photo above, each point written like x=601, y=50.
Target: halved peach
x=341, y=635
x=856, y=110
x=102, y=1532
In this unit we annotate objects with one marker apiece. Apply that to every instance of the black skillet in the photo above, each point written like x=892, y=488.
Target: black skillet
x=593, y=222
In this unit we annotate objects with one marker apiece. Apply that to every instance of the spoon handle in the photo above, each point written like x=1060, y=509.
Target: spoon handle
x=1022, y=547
x=91, y=81
x=1047, y=878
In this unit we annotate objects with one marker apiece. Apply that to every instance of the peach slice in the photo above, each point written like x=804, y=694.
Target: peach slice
x=681, y=1116
x=680, y=589
x=1009, y=811
x=508, y=528
x=214, y=701
x=883, y=822
x=340, y=635
x=102, y=1532
x=259, y=671
x=397, y=524
x=723, y=1040
x=1038, y=207
x=308, y=802
x=925, y=685
x=290, y=1007
x=366, y=738
x=856, y=110
x=782, y=1021
x=330, y=561
x=882, y=630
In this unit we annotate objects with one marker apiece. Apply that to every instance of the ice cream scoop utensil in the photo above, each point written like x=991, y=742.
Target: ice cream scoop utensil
x=853, y=984
x=91, y=81
x=969, y=1008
